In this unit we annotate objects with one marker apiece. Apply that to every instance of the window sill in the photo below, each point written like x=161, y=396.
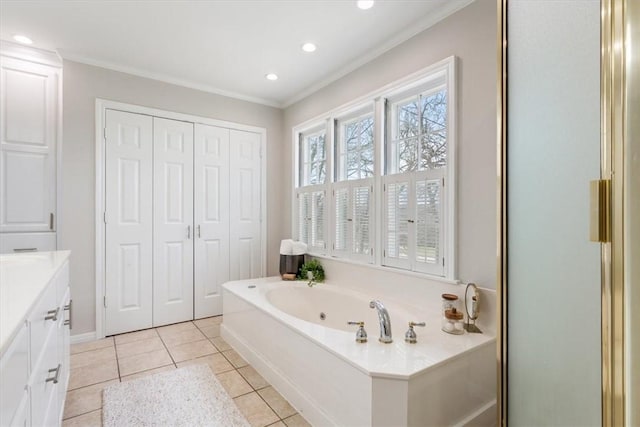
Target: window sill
x=388, y=269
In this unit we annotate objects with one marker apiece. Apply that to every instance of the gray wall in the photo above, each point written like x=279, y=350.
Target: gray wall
x=470, y=35
x=82, y=85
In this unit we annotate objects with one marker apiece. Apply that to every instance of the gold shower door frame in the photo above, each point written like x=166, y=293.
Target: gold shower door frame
x=620, y=20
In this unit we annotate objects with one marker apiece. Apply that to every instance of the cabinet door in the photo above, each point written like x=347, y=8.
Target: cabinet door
x=28, y=123
x=211, y=184
x=129, y=222
x=245, y=205
x=173, y=221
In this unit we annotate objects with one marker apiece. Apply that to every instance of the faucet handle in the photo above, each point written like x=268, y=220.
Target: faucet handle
x=361, y=334
x=411, y=336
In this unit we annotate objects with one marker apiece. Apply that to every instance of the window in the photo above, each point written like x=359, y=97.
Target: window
x=414, y=187
x=384, y=194
x=311, y=192
x=355, y=147
x=313, y=158
x=352, y=193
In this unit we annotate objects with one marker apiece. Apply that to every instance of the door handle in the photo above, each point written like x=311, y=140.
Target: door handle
x=198, y=231
x=69, y=308
x=188, y=232
x=25, y=249
x=52, y=314
x=55, y=378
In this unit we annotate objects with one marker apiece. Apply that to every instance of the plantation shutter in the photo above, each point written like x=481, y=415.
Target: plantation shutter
x=362, y=202
x=397, y=211
x=317, y=235
x=428, y=224
x=311, y=220
x=341, y=218
x=304, y=216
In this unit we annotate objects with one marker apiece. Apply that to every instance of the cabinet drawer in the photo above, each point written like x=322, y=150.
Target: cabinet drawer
x=14, y=375
x=27, y=242
x=42, y=321
x=43, y=388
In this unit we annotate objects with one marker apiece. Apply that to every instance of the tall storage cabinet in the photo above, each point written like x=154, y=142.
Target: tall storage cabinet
x=30, y=128
x=182, y=216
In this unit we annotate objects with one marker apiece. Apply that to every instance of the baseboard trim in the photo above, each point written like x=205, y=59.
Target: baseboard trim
x=86, y=337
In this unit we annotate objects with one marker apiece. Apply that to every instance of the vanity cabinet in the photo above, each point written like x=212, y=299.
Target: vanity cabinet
x=34, y=363
x=30, y=128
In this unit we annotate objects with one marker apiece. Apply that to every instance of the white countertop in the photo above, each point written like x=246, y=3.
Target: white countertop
x=23, y=278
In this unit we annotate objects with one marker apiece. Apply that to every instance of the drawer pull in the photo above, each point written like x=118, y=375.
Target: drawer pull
x=25, y=249
x=69, y=307
x=52, y=314
x=54, y=379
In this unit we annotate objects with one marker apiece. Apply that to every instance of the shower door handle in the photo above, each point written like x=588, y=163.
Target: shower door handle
x=188, y=232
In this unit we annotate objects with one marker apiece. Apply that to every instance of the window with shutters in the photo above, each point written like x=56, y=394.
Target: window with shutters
x=417, y=149
x=311, y=192
x=353, y=202
x=375, y=179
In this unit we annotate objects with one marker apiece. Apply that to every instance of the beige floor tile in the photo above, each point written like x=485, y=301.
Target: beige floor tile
x=253, y=377
x=255, y=410
x=91, y=345
x=136, y=336
x=278, y=403
x=172, y=339
x=176, y=327
x=296, y=421
x=235, y=359
x=92, y=419
x=92, y=357
x=93, y=374
x=147, y=373
x=86, y=399
x=217, y=362
x=208, y=321
x=233, y=382
x=192, y=350
x=143, y=362
x=220, y=344
x=278, y=424
x=139, y=347
x=211, y=331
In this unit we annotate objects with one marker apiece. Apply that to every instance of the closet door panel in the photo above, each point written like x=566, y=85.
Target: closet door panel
x=129, y=222
x=173, y=221
x=245, y=205
x=211, y=218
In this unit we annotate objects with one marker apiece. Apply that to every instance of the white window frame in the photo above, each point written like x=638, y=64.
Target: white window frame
x=443, y=72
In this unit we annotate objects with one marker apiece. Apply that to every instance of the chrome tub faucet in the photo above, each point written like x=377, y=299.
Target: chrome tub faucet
x=385, y=321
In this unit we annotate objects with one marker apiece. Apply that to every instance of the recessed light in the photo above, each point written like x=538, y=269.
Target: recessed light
x=365, y=4
x=271, y=76
x=22, y=39
x=309, y=47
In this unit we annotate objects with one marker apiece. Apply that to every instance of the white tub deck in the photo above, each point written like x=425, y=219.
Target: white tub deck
x=332, y=380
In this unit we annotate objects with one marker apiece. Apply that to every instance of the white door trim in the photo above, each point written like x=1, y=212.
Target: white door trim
x=101, y=106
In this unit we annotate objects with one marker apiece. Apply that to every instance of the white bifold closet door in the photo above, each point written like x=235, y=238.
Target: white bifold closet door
x=172, y=221
x=129, y=222
x=245, y=205
x=211, y=181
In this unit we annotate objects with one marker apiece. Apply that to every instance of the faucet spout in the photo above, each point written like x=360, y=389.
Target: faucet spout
x=385, y=321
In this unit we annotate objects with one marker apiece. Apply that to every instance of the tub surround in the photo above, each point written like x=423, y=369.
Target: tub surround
x=23, y=279
x=331, y=379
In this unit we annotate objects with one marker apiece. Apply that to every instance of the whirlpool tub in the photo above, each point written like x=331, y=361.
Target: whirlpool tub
x=298, y=338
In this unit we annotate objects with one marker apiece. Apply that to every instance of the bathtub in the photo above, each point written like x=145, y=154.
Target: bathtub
x=298, y=338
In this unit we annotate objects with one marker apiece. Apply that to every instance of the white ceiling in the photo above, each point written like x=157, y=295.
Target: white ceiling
x=224, y=47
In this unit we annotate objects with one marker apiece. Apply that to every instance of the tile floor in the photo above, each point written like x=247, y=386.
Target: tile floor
x=97, y=364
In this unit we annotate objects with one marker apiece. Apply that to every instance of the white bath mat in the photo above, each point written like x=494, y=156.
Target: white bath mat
x=189, y=396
